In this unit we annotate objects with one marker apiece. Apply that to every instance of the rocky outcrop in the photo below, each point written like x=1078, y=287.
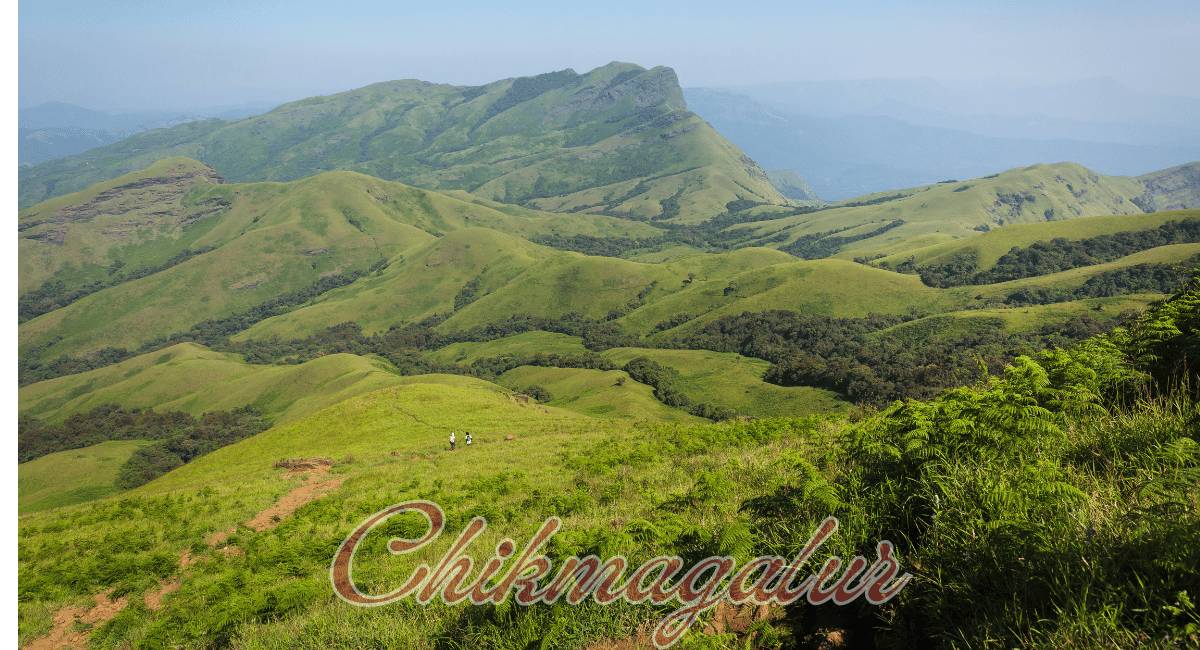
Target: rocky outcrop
x=1177, y=188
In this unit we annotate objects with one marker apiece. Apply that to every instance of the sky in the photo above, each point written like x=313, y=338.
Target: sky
x=133, y=54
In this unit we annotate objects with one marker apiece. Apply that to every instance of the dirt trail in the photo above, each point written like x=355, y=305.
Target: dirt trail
x=311, y=491
x=64, y=634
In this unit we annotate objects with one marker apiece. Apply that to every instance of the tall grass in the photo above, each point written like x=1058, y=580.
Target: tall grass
x=1041, y=508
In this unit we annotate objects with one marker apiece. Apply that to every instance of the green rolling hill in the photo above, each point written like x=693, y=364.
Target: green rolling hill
x=1171, y=189
x=617, y=139
x=596, y=393
x=398, y=255
x=946, y=212
x=294, y=249
x=990, y=246
x=191, y=378
x=251, y=242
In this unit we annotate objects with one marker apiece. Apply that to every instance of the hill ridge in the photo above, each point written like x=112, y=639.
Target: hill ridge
x=558, y=141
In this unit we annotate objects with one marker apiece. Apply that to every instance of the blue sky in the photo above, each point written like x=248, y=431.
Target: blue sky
x=110, y=54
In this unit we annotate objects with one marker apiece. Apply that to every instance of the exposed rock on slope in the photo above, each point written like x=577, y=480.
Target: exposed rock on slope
x=1177, y=188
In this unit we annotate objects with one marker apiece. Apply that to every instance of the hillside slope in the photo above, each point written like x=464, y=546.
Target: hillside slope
x=154, y=252
x=949, y=211
x=1177, y=188
x=618, y=139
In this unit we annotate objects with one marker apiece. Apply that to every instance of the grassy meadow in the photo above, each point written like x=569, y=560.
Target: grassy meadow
x=992, y=533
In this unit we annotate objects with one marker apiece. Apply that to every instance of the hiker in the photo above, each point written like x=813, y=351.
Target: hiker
x=451, y=441
x=468, y=438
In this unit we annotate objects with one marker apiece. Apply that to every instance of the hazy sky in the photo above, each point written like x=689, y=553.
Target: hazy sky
x=112, y=54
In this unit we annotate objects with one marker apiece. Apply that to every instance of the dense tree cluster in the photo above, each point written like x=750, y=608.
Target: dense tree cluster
x=852, y=356
x=1139, y=278
x=182, y=436
x=469, y=292
x=211, y=432
x=102, y=423
x=662, y=380
x=820, y=245
x=1059, y=254
x=538, y=393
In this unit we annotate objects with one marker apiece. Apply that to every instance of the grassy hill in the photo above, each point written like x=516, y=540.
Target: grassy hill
x=142, y=219
x=413, y=418
x=1171, y=189
x=260, y=240
x=990, y=246
x=945, y=212
x=326, y=289
x=150, y=243
x=618, y=138
x=191, y=378
x=830, y=287
x=74, y=476
x=735, y=382
x=413, y=254
x=596, y=393
x=528, y=343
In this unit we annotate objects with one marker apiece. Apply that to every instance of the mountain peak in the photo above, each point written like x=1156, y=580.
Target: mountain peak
x=558, y=141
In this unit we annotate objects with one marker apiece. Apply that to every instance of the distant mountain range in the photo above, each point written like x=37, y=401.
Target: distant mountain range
x=55, y=130
x=1099, y=110
x=852, y=138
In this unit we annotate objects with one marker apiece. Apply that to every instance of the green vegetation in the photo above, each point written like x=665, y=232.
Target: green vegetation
x=1058, y=254
x=734, y=382
x=175, y=439
x=992, y=494
x=586, y=274
x=54, y=294
x=190, y=378
x=608, y=394
x=560, y=141
x=74, y=476
x=860, y=358
x=937, y=217
x=524, y=344
x=822, y=244
x=993, y=244
x=1138, y=278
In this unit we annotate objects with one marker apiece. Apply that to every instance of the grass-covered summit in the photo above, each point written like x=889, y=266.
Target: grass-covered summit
x=617, y=139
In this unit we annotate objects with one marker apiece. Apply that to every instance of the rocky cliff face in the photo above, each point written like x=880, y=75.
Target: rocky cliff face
x=1177, y=188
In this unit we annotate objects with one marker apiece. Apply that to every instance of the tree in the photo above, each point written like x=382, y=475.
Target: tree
x=538, y=393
